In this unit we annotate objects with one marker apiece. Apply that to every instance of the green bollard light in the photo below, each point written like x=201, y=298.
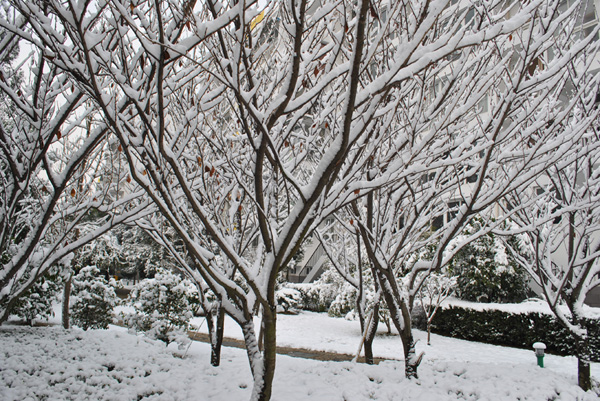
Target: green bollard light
x=539, y=352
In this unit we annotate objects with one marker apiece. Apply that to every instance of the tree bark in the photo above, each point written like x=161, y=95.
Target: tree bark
x=5, y=313
x=428, y=333
x=269, y=351
x=583, y=374
x=400, y=315
x=254, y=358
x=216, y=336
x=262, y=363
x=411, y=360
x=368, y=332
x=401, y=320
x=370, y=336
x=66, y=302
x=584, y=377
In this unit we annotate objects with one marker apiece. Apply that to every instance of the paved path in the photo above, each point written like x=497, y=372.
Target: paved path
x=290, y=351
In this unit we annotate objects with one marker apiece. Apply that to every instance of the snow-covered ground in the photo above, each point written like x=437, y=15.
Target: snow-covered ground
x=53, y=364
x=317, y=331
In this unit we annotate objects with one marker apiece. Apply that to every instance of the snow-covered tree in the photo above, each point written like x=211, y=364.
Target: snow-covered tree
x=163, y=306
x=247, y=133
x=50, y=147
x=141, y=254
x=482, y=124
x=359, y=292
x=93, y=299
x=105, y=252
x=436, y=288
x=559, y=222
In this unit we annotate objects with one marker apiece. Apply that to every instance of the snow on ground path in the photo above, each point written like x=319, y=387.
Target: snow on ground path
x=318, y=331
x=55, y=364
x=290, y=351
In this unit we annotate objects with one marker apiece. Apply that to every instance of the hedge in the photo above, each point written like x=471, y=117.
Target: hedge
x=519, y=330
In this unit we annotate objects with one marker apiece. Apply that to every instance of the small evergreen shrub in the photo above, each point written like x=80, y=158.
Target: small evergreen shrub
x=93, y=300
x=418, y=317
x=36, y=302
x=486, y=271
x=163, y=307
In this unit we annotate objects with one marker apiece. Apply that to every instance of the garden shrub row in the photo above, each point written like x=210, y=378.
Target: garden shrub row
x=519, y=330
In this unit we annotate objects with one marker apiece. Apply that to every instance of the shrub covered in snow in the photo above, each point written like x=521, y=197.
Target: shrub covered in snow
x=512, y=329
x=486, y=272
x=93, y=300
x=332, y=294
x=288, y=299
x=36, y=302
x=163, y=307
x=318, y=296
x=344, y=302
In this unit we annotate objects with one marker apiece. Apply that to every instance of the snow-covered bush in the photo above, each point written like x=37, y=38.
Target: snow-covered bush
x=344, y=302
x=318, y=296
x=93, y=299
x=163, y=307
x=486, y=272
x=37, y=301
x=311, y=296
x=288, y=299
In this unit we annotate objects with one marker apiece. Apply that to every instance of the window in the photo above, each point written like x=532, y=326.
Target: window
x=587, y=12
x=586, y=15
x=453, y=207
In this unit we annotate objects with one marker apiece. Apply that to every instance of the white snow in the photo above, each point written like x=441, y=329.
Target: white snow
x=51, y=363
x=317, y=331
x=532, y=305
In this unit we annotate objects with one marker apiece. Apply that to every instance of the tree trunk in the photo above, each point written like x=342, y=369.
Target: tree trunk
x=262, y=363
x=400, y=316
x=5, y=313
x=261, y=333
x=401, y=319
x=370, y=331
x=269, y=351
x=66, y=302
x=428, y=333
x=388, y=326
x=216, y=336
x=411, y=360
x=254, y=358
x=370, y=336
x=583, y=364
x=583, y=374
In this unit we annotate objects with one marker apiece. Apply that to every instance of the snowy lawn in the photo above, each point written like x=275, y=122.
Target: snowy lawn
x=317, y=331
x=53, y=364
